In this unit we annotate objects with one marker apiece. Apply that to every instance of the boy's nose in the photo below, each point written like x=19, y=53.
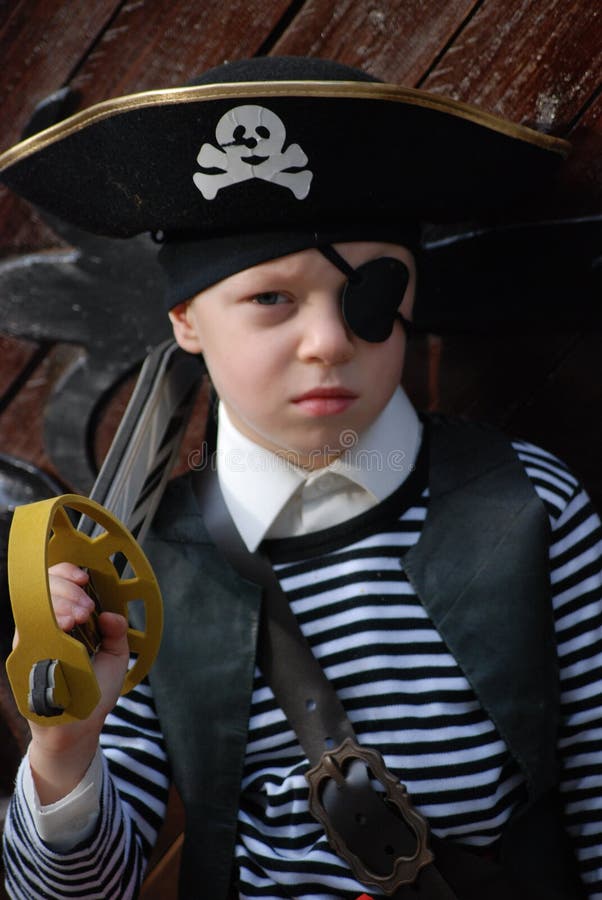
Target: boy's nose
x=326, y=338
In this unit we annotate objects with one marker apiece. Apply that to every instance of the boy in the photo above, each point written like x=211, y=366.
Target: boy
x=447, y=581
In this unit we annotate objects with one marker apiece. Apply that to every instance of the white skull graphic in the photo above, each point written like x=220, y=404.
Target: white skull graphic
x=251, y=131
x=251, y=145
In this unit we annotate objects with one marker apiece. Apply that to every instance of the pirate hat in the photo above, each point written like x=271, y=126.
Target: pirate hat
x=264, y=157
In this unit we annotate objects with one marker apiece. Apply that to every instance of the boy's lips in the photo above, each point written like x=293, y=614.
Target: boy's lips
x=323, y=401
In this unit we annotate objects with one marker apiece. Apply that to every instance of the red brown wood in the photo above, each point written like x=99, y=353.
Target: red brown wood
x=21, y=425
x=535, y=63
x=41, y=43
x=159, y=43
x=15, y=355
x=539, y=65
x=395, y=41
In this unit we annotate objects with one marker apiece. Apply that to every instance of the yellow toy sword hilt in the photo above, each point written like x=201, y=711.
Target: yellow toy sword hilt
x=51, y=672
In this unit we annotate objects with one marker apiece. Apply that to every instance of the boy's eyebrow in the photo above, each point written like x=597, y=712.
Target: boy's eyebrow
x=276, y=268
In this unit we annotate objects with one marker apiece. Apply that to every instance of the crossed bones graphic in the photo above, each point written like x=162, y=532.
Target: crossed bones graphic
x=251, y=141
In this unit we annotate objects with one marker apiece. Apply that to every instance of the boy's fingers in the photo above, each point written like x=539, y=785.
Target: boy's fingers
x=72, y=606
x=111, y=661
x=113, y=628
x=70, y=572
x=66, y=589
x=80, y=605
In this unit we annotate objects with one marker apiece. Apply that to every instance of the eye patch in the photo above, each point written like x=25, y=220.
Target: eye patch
x=372, y=295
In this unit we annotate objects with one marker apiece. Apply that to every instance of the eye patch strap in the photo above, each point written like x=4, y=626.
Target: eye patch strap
x=337, y=260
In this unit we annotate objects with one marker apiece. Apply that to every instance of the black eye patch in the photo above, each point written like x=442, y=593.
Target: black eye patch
x=371, y=298
x=373, y=294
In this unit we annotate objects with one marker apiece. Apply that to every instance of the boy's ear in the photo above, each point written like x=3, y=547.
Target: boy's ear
x=184, y=328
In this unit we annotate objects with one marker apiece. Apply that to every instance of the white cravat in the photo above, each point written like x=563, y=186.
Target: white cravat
x=268, y=496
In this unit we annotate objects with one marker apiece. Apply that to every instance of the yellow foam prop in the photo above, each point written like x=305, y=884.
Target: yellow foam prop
x=47, y=524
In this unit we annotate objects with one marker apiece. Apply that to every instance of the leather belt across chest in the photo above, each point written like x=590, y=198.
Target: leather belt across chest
x=377, y=831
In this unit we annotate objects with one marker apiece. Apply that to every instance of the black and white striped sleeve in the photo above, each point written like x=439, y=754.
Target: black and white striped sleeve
x=110, y=864
x=576, y=575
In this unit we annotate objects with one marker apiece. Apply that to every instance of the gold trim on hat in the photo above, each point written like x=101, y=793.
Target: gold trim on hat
x=355, y=90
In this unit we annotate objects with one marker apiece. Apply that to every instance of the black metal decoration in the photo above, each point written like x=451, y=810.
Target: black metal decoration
x=509, y=278
x=103, y=295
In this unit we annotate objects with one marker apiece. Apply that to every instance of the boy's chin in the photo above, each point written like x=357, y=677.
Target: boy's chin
x=314, y=458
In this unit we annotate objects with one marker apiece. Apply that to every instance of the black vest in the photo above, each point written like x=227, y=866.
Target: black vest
x=481, y=571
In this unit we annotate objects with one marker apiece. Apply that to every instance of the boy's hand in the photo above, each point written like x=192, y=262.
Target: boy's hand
x=72, y=605
x=60, y=756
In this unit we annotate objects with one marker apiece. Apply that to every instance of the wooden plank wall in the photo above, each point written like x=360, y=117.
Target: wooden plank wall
x=537, y=63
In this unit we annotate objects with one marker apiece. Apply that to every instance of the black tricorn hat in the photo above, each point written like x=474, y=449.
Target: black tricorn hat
x=280, y=146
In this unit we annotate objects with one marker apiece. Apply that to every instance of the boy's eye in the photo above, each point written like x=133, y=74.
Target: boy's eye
x=269, y=298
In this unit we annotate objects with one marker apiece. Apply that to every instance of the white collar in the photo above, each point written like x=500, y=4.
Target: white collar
x=257, y=483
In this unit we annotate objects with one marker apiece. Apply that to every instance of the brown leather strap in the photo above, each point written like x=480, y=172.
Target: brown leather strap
x=313, y=708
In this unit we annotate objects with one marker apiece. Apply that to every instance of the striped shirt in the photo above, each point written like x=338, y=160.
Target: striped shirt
x=405, y=695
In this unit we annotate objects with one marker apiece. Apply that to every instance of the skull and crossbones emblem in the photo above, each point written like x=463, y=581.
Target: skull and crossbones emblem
x=251, y=143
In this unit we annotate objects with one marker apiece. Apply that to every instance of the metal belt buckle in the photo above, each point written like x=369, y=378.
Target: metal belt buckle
x=360, y=814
